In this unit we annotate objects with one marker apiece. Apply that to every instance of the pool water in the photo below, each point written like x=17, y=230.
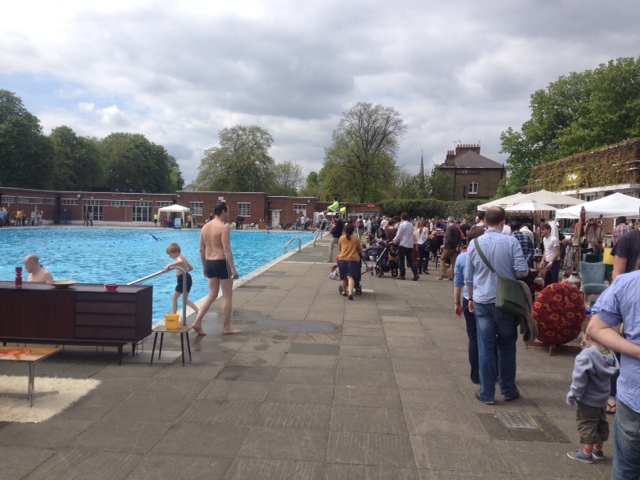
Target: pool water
x=102, y=255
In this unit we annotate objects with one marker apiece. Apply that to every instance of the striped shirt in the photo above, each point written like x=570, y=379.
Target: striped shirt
x=504, y=254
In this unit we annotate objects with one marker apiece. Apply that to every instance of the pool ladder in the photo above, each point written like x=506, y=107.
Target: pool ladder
x=289, y=243
x=184, y=289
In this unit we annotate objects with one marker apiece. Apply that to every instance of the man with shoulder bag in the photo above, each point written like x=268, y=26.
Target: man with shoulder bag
x=503, y=262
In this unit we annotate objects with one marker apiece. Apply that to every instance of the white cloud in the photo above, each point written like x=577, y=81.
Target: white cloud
x=180, y=71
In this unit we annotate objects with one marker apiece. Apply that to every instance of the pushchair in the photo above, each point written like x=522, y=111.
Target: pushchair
x=358, y=286
x=386, y=258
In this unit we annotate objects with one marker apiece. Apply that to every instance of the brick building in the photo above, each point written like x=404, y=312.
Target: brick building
x=69, y=207
x=473, y=176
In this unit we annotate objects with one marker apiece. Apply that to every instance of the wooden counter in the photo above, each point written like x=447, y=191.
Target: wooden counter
x=82, y=314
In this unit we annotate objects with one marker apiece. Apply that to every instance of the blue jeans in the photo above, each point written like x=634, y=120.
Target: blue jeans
x=626, y=461
x=472, y=334
x=496, y=328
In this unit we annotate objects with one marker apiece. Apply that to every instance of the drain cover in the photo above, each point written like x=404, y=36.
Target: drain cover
x=516, y=420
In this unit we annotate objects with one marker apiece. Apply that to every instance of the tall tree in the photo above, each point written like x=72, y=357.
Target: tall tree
x=133, y=162
x=78, y=162
x=241, y=163
x=361, y=161
x=287, y=179
x=574, y=114
x=26, y=155
x=440, y=185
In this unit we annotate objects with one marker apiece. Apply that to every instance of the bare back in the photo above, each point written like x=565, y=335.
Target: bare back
x=211, y=240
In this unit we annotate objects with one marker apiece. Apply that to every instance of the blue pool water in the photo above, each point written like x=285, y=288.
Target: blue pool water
x=99, y=255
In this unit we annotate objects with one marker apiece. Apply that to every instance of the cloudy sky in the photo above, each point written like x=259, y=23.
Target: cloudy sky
x=179, y=71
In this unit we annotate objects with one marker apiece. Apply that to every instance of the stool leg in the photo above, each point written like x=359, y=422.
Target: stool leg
x=182, y=347
x=161, y=340
x=188, y=346
x=153, y=350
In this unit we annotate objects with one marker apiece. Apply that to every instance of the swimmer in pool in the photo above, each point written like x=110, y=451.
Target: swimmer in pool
x=36, y=272
x=217, y=262
x=181, y=261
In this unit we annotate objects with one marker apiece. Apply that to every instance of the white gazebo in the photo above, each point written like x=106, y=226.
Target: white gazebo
x=176, y=209
x=612, y=206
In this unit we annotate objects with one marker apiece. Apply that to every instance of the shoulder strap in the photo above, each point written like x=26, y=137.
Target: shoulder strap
x=484, y=259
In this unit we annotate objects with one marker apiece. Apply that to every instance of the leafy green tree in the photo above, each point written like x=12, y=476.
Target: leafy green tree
x=440, y=185
x=287, y=179
x=133, y=162
x=360, y=163
x=26, y=155
x=241, y=163
x=576, y=113
x=78, y=162
x=313, y=187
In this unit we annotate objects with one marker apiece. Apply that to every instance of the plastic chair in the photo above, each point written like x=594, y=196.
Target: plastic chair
x=593, y=275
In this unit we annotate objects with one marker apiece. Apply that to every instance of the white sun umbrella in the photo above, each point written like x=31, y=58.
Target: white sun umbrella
x=501, y=202
x=550, y=198
x=531, y=206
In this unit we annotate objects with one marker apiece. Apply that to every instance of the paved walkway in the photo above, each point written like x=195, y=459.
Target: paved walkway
x=316, y=387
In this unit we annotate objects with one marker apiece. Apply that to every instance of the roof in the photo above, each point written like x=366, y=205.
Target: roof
x=474, y=160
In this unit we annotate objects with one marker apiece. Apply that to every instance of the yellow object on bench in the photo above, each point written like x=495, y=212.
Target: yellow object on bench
x=172, y=321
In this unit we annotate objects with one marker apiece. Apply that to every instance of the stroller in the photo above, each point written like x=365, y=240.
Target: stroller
x=358, y=286
x=386, y=258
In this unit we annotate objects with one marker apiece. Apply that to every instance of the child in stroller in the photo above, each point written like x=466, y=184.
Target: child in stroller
x=386, y=258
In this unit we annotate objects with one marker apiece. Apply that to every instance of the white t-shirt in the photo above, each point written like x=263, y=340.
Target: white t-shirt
x=550, y=245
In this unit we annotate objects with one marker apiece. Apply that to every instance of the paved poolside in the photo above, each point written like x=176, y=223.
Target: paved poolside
x=316, y=387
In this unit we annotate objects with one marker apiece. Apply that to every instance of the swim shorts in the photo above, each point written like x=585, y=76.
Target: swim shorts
x=179, y=285
x=218, y=269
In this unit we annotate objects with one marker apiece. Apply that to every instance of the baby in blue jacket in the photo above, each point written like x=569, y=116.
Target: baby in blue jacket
x=593, y=369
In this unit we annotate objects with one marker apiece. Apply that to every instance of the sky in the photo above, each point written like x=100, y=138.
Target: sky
x=179, y=71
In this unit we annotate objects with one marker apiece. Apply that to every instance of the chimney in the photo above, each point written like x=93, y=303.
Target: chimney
x=462, y=149
x=450, y=160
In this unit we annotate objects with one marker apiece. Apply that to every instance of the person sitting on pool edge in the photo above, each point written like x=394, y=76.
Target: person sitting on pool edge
x=36, y=272
x=181, y=261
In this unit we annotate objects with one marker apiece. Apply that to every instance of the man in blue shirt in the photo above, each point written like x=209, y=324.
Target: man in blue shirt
x=621, y=302
x=495, y=326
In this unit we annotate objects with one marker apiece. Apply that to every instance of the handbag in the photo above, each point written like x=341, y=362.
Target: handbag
x=510, y=295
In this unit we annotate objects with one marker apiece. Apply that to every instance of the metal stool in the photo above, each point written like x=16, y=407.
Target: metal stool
x=161, y=329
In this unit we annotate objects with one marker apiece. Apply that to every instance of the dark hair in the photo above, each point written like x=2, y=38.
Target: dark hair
x=220, y=207
x=348, y=230
x=515, y=226
x=622, y=219
x=545, y=226
x=475, y=232
x=404, y=216
x=481, y=215
x=495, y=216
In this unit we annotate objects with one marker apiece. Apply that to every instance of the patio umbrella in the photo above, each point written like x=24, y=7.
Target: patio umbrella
x=550, y=198
x=501, y=202
x=530, y=206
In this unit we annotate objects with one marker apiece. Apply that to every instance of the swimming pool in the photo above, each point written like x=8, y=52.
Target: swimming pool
x=104, y=255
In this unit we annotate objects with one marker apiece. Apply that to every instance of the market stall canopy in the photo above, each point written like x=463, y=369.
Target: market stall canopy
x=501, y=202
x=612, y=206
x=550, y=198
x=531, y=206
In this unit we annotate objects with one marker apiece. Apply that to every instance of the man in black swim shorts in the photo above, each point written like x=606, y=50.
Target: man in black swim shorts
x=217, y=268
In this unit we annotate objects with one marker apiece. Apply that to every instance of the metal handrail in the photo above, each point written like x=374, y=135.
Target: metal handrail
x=184, y=288
x=299, y=244
x=319, y=234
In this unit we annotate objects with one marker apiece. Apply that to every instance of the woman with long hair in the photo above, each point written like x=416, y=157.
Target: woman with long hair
x=349, y=263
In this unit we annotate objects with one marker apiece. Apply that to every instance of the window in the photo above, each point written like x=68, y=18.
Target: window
x=197, y=207
x=69, y=201
x=142, y=211
x=162, y=204
x=51, y=201
x=8, y=199
x=244, y=209
x=300, y=208
x=118, y=203
x=30, y=200
x=95, y=207
x=473, y=188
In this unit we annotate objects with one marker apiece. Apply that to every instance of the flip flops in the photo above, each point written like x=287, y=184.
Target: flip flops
x=611, y=408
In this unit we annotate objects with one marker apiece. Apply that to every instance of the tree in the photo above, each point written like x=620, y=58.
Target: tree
x=574, y=114
x=313, y=187
x=78, y=162
x=26, y=155
x=440, y=185
x=133, y=162
x=287, y=179
x=360, y=163
x=241, y=163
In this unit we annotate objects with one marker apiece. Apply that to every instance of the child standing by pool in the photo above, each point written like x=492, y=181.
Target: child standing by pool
x=180, y=261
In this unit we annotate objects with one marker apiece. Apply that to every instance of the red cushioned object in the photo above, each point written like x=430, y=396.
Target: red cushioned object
x=559, y=312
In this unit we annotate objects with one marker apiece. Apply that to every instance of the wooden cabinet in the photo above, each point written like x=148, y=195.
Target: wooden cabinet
x=81, y=314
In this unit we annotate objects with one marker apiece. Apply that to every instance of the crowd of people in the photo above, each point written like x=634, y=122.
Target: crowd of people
x=20, y=218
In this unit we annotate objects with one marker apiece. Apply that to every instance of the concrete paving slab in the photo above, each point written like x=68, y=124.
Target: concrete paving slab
x=237, y=412
x=310, y=361
x=304, y=416
x=285, y=444
x=154, y=467
x=19, y=461
x=363, y=448
x=235, y=390
x=368, y=419
x=121, y=436
x=246, y=468
x=368, y=472
x=200, y=439
x=310, y=376
x=296, y=393
x=80, y=463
